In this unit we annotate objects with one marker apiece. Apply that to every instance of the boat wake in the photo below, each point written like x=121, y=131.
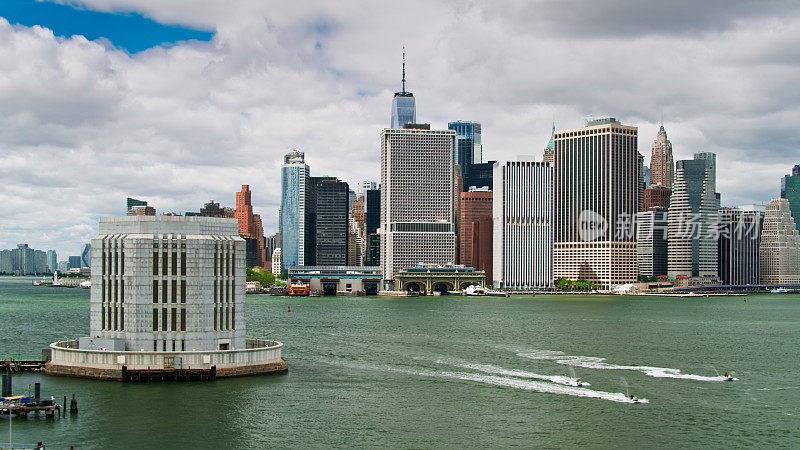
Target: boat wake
x=490, y=369
x=593, y=362
x=539, y=386
x=505, y=381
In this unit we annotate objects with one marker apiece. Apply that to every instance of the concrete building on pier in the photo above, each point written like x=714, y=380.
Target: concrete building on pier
x=167, y=292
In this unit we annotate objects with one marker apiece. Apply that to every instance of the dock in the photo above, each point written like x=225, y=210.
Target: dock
x=14, y=365
x=149, y=375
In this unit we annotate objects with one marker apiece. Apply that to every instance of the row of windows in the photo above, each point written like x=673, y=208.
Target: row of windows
x=165, y=291
x=165, y=266
x=112, y=317
x=169, y=321
x=164, y=345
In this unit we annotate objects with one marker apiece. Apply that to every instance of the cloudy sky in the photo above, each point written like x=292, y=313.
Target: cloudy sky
x=181, y=101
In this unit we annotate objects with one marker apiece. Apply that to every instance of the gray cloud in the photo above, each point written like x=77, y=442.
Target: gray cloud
x=83, y=125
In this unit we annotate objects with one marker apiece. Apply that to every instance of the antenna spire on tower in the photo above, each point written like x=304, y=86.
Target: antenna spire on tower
x=404, y=68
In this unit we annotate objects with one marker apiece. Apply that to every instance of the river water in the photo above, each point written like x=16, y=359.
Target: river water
x=446, y=372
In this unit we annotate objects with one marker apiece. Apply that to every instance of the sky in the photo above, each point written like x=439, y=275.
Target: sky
x=183, y=101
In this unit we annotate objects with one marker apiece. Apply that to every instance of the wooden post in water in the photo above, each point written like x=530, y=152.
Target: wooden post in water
x=73, y=405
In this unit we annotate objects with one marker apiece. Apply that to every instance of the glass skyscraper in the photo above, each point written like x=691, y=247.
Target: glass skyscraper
x=294, y=176
x=469, y=155
x=404, y=106
x=790, y=190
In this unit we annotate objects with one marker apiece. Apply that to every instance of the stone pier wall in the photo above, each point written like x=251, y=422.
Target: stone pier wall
x=260, y=356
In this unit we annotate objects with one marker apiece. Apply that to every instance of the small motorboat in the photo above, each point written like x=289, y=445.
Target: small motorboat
x=578, y=382
x=727, y=377
x=634, y=398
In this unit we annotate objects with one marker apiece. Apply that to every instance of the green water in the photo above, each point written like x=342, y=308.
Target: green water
x=407, y=373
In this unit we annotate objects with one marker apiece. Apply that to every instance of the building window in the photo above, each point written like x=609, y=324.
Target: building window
x=164, y=262
x=183, y=263
x=174, y=291
x=174, y=320
x=155, y=320
x=155, y=262
x=164, y=319
x=164, y=291
x=183, y=319
x=215, y=317
x=183, y=291
x=103, y=317
x=174, y=263
x=155, y=291
x=122, y=318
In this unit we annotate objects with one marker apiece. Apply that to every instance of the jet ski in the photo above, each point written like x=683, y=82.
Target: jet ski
x=578, y=382
x=727, y=377
x=634, y=398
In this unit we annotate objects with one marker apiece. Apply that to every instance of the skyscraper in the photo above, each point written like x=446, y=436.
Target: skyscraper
x=779, y=252
x=52, y=261
x=661, y=163
x=372, y=223
x=549, y=150
x=365, y=186
x=693, y=219
x=523, y=227
x=327, y=224
x=468, y=148
x=404, y=108
x=417, y=201
x=790, y=190
x=475, y=231
x=22, y=259
x=6, y=262
x=656, y=197
x=294, y=176
x=651, y=241
x=738, y=246
x=86, y=255
x=596, y=195
x=244, y=212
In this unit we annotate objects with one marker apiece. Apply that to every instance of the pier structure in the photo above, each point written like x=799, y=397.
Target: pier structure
x=338, y=280
x=167, y=295
x=427, y=279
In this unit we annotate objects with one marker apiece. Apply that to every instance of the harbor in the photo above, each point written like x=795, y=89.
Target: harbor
x=372, y=358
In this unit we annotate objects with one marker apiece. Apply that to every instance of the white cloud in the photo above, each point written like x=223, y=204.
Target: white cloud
x=83, y=125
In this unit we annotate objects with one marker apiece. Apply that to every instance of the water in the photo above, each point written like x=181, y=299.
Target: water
x=447, y=372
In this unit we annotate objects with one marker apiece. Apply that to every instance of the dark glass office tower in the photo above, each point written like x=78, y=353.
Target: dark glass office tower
x=469, y=154
x=327, y=202
x=790, y=190
x=372, y=221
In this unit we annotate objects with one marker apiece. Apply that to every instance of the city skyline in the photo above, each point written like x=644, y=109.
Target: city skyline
x=231, y=109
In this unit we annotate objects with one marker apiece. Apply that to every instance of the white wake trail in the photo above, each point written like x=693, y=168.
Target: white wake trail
x=593, y=362
x=538, y=386
x=488, y=368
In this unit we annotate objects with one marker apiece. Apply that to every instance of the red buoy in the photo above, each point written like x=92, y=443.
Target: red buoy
x=288, y=309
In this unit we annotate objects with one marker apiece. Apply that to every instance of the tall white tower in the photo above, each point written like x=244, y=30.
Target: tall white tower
x=522, y=215
x=417, y=201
